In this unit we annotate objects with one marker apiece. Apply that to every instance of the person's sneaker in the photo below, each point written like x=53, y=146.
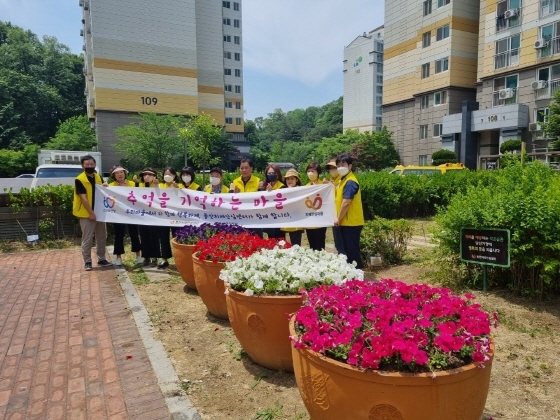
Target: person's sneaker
x=139, y=260
x=162, y=265
x=88, y=266
x=154, y=262
x=104, y=263
x=118, y=261
x=146, y=262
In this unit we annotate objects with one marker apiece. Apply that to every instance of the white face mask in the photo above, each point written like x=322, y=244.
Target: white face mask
x=214, y=180
x=343, y=170
x=168, y=178
x=186, y=178
x=312, y=176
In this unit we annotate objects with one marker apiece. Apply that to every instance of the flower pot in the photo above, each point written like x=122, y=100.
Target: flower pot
x=260, y=323
x=210, y=288
x=184, y=263
x=335, y=390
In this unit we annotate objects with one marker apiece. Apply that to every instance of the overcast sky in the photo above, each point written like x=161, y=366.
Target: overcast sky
x=292, y=49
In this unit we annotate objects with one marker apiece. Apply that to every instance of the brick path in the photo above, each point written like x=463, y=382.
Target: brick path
x=69, y=348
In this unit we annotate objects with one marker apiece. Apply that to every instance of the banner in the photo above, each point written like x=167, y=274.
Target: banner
x=302, y=207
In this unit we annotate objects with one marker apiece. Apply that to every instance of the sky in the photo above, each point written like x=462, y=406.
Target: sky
x=292, y=49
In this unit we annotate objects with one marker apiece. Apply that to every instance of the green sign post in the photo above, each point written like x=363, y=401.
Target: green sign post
x=485, y=247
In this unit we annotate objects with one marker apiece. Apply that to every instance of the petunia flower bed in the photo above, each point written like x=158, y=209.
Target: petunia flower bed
x=389, y=325
x=191, y=234
x=287, y=270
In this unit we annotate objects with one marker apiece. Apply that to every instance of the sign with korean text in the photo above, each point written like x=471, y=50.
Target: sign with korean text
x=485, y=246
x=309, y=206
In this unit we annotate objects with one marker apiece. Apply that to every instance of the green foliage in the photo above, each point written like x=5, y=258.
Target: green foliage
x=376, y=151
x=385, y=238
x=510, y=146
x=525, y=201
x=510, y=159
x=15, y=162
x=552, y=124
x=73, y=134
x=442, y=156
x=270, y=413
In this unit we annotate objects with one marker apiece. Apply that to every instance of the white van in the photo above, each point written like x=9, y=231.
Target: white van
x=58, y=171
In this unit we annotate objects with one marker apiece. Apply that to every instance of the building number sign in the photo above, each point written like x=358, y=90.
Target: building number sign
x=492, y=118
x=146, y=100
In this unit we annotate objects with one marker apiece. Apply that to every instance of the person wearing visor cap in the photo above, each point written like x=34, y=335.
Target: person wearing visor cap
x=291, y=179
x=216, y=185
x=118, y=173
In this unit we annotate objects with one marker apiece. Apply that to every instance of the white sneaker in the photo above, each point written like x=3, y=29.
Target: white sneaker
x=139, y=260
x=118, y=261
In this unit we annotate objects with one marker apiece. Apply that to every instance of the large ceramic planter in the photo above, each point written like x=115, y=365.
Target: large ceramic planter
x=184, y=263
x=210, y=288
x=260, y=323
x=333, y=390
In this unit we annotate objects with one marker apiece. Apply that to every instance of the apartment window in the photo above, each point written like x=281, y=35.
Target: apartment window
x=442, y=65
x=236, y=6
x=423, y=132
x=237, y=73
x=227, y=88
x=379, y=89
x=378, y=120
x=426, y=39
x=379, y=68
x=227, y=38
x=541, y=115
x=237, y=40
x=505, y=90
x=237, y=56
x=227, y=54
x=226, y=4
x=229, y=120
x=424, y=101
x=442, y=32
x=437, y=129
x=238, y=121
x=380, y=58
x=236, y=23
x=227, y=21
x=511, y=19
x=441, y=3
x=550, y=33
x=378, y=110
x=427, y=7
x=549, y=7
x=550, y=82
x=379, y=78
x=425, y=70
x=238, y=105
x=237, y=89
x=507, y=52
x=227, y=72
x=440, y=98
x=378, y=46
x=379, y=100
x=229, y=104
x=423, y=160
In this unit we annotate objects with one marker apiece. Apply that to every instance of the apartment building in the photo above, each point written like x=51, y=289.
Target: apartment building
x=164, y=57
x=518, y=72
x=363, y=82
x=430, y=69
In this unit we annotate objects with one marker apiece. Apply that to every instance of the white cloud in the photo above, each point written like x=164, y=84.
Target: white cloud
x=304, y=39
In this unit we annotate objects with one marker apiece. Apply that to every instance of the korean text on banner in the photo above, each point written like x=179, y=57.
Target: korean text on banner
x=309, y=206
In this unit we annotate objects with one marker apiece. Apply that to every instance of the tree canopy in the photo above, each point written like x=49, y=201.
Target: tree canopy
x=73, y=134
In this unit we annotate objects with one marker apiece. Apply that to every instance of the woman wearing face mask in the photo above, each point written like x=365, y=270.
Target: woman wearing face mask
x=216, y=186
x=315, y=236
x=273, y=182
x=149, y=234
x=350, y=214
x=164, y=241
x=292, y=180
x=118, y=173
x=187, y=176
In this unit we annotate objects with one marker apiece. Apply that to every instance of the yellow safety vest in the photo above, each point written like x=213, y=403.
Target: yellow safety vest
x=355, y=214
x=208, y=189
x=251, y=186
x=129, y=183
x=78, y=208
x=193, y=186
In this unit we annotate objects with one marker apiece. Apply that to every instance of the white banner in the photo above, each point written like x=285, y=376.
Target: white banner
x=309, y=206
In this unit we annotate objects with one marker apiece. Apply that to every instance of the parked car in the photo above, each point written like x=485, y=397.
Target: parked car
x=26, y=176
x=58, y=171
x=421, y=170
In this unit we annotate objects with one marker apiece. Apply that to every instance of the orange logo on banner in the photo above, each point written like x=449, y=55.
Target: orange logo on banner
x=315, y=204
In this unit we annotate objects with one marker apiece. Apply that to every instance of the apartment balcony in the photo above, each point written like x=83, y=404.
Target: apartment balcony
x=549, y=7
x=552, y=47
x=548, y=91
x=504, y=97
x=506, y=59
x=504, y=21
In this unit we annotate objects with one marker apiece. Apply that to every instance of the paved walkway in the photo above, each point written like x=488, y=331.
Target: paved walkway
x=69, y=347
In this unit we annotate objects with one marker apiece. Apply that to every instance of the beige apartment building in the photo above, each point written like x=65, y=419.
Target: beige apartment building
x=467, y=75
x=166, y=57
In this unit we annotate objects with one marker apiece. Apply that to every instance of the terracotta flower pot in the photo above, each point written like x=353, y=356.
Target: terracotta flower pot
x=184, y=263
x=334, y=390
x=210, y=288
x=260, y=323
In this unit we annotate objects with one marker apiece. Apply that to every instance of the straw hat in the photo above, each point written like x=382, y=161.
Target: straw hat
x=331, y=164
x=292, y=172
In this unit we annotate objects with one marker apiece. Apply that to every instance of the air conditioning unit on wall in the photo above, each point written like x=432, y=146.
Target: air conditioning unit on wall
x=538, y=84
x=540, y=43
x=507, y=93
x=534, y=127
x=511, y=13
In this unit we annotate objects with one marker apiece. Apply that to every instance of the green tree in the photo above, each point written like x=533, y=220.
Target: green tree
x=330, y=147
x=442, y=156
x=73, y=134
x=16, y=162
x=375, y=150
x=151, y=141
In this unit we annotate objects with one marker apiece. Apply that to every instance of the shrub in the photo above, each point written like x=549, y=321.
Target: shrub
x=386, y=238
x=442, y=156
x=510, y=146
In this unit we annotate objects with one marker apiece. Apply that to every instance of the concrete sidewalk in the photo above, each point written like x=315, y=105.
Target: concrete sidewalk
x=69, y=347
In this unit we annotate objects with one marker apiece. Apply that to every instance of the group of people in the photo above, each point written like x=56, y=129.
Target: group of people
x=151, y=244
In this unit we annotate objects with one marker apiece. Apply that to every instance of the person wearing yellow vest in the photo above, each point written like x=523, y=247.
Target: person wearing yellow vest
x=315, y=236
x=216, y=186
x=247, y=182
x=188, y=178
x=292, y=180
x=83, y=208
x=118, y=173
x=350, y=214
x=273, y=182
